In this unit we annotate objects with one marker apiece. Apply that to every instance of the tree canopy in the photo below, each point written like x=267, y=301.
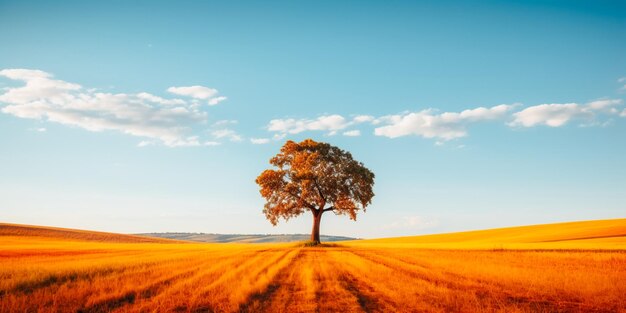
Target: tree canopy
x=316, y=177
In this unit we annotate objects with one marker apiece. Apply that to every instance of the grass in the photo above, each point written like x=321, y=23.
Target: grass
x=311, y=243
x=52, y=273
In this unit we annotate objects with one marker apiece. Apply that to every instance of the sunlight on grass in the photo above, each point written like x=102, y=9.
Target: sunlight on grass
x=48, y=274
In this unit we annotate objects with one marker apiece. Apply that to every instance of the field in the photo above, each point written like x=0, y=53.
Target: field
x=570, y=267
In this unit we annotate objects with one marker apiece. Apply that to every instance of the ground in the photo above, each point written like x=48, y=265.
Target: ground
x=43, y=271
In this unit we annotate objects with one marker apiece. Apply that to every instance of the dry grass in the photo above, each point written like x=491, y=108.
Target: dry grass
x=592, y=235
x=52, y=274
x=73, y=234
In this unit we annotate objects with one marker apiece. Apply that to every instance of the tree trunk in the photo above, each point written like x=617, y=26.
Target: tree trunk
x=315, y=233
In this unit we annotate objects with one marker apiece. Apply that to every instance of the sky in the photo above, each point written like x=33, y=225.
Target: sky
x=155, y=116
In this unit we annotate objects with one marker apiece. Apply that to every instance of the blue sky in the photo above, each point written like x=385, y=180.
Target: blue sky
x=158, y=116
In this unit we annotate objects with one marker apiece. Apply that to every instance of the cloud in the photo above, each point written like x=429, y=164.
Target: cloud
x=279, y=136
x=363, y=118
x=259, y=141
x=222, y=123
x=447, y=126
x=165, y=121
x=329, y=123
x=216, y=100
x=198, y=92
x=352, y=133
x=604, y=104
x=191, y=141
x=559, y=114
x=155, y=99
x=444, y=126
x=226, y=134
x=38, y=85
x=38, y=129
x=622, y=81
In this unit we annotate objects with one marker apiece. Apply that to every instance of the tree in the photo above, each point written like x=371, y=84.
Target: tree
x=316, y=177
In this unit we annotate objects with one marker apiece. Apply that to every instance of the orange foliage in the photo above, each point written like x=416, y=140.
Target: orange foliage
x=316, y=177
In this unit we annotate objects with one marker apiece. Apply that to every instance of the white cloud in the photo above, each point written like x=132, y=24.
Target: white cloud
x=622, y=80
x=623, y=114
x=160, y=120
x=38, y=129
x=352, y=133
x=329, y=123
x=216, y=100
x=222, y=123
x=363, y=118
x=279, y=136
x=191, y=141
x=145, y=143
x=259, y=141
x=198, y=92
x=38, y=85
x=559, y=114
x=603, y=104
x=155, y=99
x=445, y=126
x=226, y=134
x=553, y=115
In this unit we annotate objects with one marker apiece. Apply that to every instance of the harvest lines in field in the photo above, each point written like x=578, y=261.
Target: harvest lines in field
x=54, y=274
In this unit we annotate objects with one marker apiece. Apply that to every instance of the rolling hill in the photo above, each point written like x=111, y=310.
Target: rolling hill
x=596, y=234
x=566, y=267
x=16, y=230
x=253, y=238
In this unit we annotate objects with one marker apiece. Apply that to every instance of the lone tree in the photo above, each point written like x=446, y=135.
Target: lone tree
x=316, y=177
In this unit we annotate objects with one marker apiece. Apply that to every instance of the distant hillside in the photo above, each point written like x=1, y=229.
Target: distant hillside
x=74, y=234
x=257, y=238
x=598, y=234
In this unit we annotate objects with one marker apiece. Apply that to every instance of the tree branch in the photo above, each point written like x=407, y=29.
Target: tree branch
x=319, y=190
x=332, y=208
x=306, y=204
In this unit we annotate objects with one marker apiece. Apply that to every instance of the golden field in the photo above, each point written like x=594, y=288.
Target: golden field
x=568, y=267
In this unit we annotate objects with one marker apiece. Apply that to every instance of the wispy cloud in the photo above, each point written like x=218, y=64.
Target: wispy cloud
x=328, y=123
x=443, y=126
x=177, y=122
x=166, y=121
x=363, y=118
x=216, y=100
x=259, y=141
x=331, y=124
x=226, y=134
x=559, y=114
x=38, y=129
x=198, y=92
x=429, y=123
x=352, y=133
